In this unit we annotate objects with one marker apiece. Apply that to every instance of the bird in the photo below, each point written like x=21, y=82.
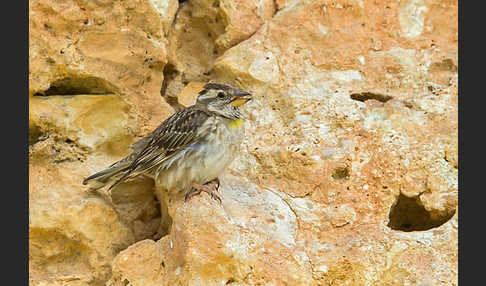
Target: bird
x=190, y=149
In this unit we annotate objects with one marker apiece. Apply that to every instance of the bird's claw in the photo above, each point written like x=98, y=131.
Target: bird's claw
x=216, y=197
x=197, y=189
x=213, y=182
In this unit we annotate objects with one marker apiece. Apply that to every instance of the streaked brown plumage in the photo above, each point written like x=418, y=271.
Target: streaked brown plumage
x=189, y=149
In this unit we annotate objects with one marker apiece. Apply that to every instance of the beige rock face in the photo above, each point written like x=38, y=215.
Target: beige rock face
x=92, y=47
x=202, y=31
x=189, y=95
x=347, y=175
x=96, y=70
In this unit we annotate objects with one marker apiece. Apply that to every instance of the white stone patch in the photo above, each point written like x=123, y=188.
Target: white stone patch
x=160, y=6
x=239, y=245
x=286, y=226
x=158, y=44
x=265, y=67
x=314, y=94
x=412, y=18
x=322, y=28
x=346, y=76
x=328, y=152
x=361, y=59
x=262, y=115
x=33, y=51
x=315, y=83
x=276, y=220
x=303, y=118
x=366, y=248
x=396, y=248
x=322, y=268
x=374, y=119
x=306, y=209
x=323, y=129
x=315, y=247
x=342, y=215
x=260, y=9
x=92, y=140
x=244, y=162
x=433, y=104
x=406, y=57
x=424, y=237
x=318, y=160
x=301, y=257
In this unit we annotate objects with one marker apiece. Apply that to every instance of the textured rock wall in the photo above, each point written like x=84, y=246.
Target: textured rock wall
x=348, y=173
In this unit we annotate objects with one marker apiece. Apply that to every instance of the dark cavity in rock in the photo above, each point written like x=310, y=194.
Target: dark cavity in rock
x=364, y=96
x=408, y=214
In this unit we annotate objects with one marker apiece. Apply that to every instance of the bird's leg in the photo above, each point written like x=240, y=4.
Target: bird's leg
x=214, y=182
x=193, y=192
x=197, y=189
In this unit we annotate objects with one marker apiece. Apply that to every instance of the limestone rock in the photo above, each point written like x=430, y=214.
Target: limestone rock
x=92, y=47
x=203, y=30
x=354, y=136
x=73, y=236
x=247, y=240
x=80, y=119
x=347, y=175
x=95, y=73
x=242, y=18
x=189, y=95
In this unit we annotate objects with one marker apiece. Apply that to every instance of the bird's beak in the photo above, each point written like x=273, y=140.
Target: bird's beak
x=240, y=98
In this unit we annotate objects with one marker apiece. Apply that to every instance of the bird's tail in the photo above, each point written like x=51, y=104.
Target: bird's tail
x=107, y=176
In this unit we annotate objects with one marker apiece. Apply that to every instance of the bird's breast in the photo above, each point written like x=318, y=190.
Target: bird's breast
x=205, y=160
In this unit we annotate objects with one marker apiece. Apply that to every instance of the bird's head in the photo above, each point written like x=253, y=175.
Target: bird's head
x=223, y=99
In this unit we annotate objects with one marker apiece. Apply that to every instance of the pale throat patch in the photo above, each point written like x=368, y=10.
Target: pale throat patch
x=236, y=123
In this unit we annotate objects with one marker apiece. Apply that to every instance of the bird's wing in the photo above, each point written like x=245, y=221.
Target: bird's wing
x=172, y=136
x=138, y=146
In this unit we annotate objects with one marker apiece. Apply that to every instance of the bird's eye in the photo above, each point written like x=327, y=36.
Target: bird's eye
x=221, y=95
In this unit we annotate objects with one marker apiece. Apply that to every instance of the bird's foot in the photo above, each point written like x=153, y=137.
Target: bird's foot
x=197, y=189
x=213, y=182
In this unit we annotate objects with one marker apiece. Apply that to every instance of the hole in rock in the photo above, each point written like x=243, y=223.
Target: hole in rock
x=165, y=218
x=35, y=134
x=170, y=72
x=140, y=209
x=444, y=65
x=341, y=173
x=408, y=214
x=364, y=96
x=79, y=85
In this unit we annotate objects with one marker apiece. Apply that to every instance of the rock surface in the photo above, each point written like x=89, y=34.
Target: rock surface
x=347, y=176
